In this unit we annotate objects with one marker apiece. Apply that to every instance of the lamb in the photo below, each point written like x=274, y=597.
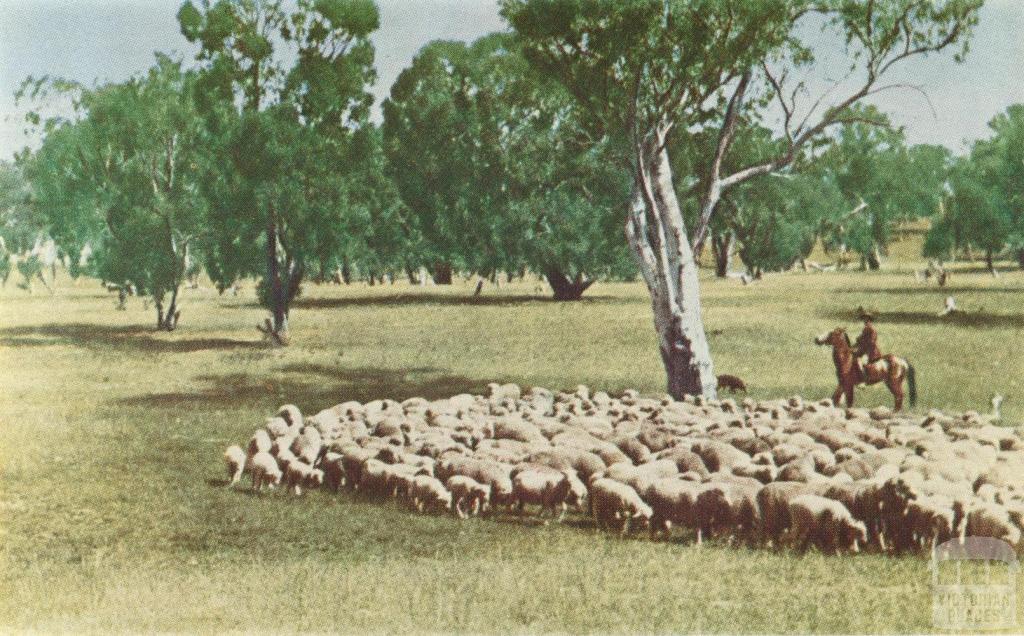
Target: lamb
x=469, y=497
x=613, y=501
x=264, y=471
x=237, y=463
x=548, y=489
x=825, y=522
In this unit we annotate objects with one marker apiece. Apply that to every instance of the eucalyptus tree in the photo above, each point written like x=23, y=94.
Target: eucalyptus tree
x=640, y=69
x=285, y=89
x=496, y=173
x=120, y=179
x=984, y=209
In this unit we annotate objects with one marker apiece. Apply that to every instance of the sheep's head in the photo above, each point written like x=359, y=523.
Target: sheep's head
x=577, y=495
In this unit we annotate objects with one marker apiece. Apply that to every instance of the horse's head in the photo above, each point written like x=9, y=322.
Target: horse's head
x=834, y=338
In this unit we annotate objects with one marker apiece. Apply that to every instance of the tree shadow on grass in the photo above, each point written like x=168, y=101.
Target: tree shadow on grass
x=114, y=338
x=411, y=300
x=966, y=319
x=312, y=387
x=941, y=292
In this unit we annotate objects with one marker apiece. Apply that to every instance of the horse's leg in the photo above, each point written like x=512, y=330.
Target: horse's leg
x=896, y=386
x=837, y=395
x=850, y=386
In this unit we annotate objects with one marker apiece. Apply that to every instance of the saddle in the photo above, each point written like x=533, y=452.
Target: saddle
x=880, y=367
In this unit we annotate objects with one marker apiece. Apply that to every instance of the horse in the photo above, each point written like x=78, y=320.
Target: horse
x=889, y=368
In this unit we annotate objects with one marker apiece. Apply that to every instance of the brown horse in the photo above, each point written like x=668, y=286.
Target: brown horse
x=890, y=368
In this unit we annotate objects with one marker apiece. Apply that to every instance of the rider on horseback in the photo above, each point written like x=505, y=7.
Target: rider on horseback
x=867, y=343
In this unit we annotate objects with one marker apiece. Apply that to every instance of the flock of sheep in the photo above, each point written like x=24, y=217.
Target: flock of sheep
x=785, y=472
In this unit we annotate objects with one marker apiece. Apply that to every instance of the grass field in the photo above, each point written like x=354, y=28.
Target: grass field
x=113, y=513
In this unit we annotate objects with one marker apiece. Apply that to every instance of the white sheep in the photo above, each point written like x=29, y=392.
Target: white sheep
x=428, y=493
x=264, y=470
x=469, y=497
x=549, y=489
x=826, y=523
x=613, y=502
x=260, y=443
x=237, y=463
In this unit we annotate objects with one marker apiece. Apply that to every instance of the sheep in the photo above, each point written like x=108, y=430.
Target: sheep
x=672, y=502
x=519, y=430
x=469, y=497
x=773, y=503
x=933, y=520
x=685, y=460
x=307, y=445
x=237, y=463
x=640, y=477
x=373, y=479
x=398, y=478
x=277, y=427
x=429, y=494
x=334, y=470
x=763, y=473
x=260, y=443
x=713, y=510
x=613, y=501
x=719, y=455
x=352, y=460
x=264, y=471
x=301, y=474
x=984, y=519
x=633, y=448
x=826, y=522
x=548, y=489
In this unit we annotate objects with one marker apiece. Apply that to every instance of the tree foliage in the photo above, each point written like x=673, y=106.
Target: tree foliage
x=496, y=172
x=284, y=95
x=121, y=181
x=985, y=208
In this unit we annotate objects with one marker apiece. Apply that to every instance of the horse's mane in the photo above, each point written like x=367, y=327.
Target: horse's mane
x=847, y=336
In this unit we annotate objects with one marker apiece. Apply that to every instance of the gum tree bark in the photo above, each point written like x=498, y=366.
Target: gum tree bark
x=656, y=231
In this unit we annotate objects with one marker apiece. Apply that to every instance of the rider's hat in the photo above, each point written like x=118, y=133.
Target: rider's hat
x=866, y=314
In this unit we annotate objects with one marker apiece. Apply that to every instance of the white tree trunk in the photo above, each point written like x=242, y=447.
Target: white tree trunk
x=657, y=233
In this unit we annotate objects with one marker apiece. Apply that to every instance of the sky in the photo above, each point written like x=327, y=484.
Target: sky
x=111, y=40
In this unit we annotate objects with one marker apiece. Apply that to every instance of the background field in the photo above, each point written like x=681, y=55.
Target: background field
x=114, y=516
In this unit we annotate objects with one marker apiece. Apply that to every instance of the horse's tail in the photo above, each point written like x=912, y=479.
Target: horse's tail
x=912, y=384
